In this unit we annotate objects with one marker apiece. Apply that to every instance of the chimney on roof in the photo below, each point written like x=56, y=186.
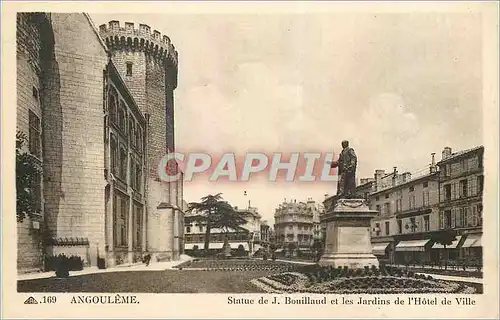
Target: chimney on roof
x=406, y=176
x=378, y=178
x=433, y=167
x=446, y=153
x=394, y=176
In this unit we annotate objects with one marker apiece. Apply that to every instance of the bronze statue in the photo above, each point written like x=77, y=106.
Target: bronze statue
x=346, y=163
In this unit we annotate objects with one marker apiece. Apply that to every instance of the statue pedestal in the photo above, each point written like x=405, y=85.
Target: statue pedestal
x=348, y=241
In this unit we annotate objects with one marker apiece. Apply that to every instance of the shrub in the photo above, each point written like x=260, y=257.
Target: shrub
x=62, y=270
x=62, y=262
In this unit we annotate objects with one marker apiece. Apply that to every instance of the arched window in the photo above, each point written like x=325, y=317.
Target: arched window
x=112, y=106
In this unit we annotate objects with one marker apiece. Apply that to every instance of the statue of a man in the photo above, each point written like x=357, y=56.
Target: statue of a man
x=347, y=171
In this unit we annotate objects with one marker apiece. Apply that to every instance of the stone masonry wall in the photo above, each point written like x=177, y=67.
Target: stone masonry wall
x=29, y=247
x=150, y=54
x=73, y=132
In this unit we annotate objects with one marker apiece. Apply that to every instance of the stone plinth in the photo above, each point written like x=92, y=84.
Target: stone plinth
x=348, y=240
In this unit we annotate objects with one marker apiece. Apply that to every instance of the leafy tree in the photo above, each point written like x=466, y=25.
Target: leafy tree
x=216, y=213
x=317, y=248
x=445, y=238
x=28, y=171
x=291, y=248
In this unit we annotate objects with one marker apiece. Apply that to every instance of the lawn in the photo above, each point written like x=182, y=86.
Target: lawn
x=168, y=281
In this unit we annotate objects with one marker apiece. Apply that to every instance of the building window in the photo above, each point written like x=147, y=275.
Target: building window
x=377, y=207
x=412, y=188
x=112, y=107
x=376, y=198
x=399, y=205
x=400, y=226
x=387, y=196
x=480, y=184
x=131, y=132
x=129, y=69
x=138, y=177
x=387, y=228
x=459, y=218
x=454, y=191
x=133, y=178
x=200, y=228
x=463, y=188
x=120, y=212
x=34, y=135
x=123, y=164
x=425, y=198
x=425, y=184
x=413, y=224
x=447, y=192
x=426, y=223
x=387, y=208
x=411, y=202
x=35, y=93
x=447, y=219
x=138, y=137
x=138, y=225
x=188, y=229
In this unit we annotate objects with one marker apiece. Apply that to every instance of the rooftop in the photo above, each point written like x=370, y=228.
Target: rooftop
x=460, y=153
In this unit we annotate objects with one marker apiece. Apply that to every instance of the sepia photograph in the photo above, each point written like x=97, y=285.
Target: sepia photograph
x=322, y=157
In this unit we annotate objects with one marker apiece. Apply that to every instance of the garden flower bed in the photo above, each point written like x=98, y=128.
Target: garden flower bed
x=316, y=279
x=238, y=265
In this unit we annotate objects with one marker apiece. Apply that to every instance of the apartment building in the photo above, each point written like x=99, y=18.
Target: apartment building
x=296, y=225
x=461, y=181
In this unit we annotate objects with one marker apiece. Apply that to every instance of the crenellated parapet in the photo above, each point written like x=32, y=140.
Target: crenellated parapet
x=141, y=39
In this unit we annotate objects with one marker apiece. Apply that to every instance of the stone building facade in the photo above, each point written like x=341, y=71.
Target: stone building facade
x=296, y=224
x=408, y=213
x=461, y=183
x=415, y=210
x=97, y=142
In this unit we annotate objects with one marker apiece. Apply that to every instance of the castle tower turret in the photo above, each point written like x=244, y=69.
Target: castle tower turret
x=147, y=61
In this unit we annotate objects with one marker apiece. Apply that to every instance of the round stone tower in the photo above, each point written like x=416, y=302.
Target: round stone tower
x=147, y=62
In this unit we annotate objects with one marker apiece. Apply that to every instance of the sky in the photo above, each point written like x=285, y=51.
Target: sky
x=397, y=86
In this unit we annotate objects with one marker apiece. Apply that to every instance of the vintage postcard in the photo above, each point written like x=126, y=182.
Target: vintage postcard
x=250, y=159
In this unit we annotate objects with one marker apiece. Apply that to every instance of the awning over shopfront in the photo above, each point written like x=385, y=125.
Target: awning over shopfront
x=378, y=249
x=472, y=241
x=215, y=245
x=453, y=245
x=201, y=246
x=412, y=245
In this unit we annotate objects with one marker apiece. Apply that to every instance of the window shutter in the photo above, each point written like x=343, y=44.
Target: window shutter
x=468, y=216
x=453, y=217
x=441, y=220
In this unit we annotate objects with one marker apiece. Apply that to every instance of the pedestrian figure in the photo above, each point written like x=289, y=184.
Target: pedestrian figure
x=147, y=259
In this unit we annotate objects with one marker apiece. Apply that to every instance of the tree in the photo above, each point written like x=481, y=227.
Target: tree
x=216, y=213
x=445, y=238
x=317, y=248
x=28, y=171
x=227, y=219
